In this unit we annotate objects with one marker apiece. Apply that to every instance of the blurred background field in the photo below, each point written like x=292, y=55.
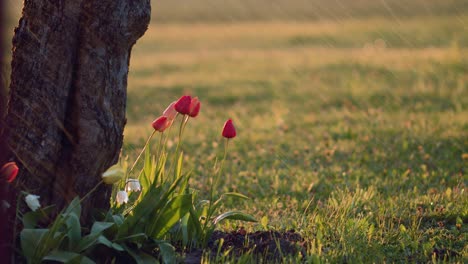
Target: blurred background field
x=350, y=114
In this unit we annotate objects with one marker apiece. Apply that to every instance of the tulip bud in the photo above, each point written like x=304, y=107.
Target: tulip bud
x=229, y=131
x=9, y=171
x=170, y=111
x=121, y=197
x=183, y=104
x=194, y=107
x=113, y=175
x=161, y=123
x=32, y=201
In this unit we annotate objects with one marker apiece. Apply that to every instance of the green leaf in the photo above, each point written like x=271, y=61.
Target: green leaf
x=92, y=239
x=74, y=207
x=87, y=242
x=178, y=170
x=160, y=167
x=174, y=210
x=184, y=229
x=66, y=257
x=185, y=184
x=148, y=175
x=106, y=242
x=135, y=222
x=236, y=195
x=195, y=222
x=118, y=219
x=233, y=215
x=148, y=166
x=30, y=219
x=99, y=227
x=216, y=205
x=136, y=238
x=153, y=169
x=30, y=241
x=74, y=230
x=86, y=260
x=140, y=257
x=168, y=254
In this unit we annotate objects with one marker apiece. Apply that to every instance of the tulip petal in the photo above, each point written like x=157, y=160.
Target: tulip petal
x=183, y=104
x=229, y=131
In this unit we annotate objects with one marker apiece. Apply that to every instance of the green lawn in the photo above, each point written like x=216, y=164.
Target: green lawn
x=352, y=132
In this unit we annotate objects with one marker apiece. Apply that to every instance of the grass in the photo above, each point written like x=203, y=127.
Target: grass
x=357, y=145
x=352, y=126
x=166, y=11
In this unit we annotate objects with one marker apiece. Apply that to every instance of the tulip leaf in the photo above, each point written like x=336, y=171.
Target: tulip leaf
x=234, y=215
x=167, y=252
x=185, y=183
x=236, y=195
x=195, y=222
x=74, y=208
x=74, y=230
x=178, y=169
x=87, y=242
x=139, y=256
x=106, y=242
x=99, y=227
x=118, y=219
x=136, y=238
x=31, y=218
x=135, y=222
x=30, y=240
x=148, y=167
x=172, y=212
x=92, y=238
x=67, y=257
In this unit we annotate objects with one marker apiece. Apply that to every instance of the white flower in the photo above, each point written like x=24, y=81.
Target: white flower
x=32, y=201
x=113, y=175
x=122, y=197
x=133, y=185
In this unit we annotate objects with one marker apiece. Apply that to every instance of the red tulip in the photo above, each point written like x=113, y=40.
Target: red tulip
x=161, y=123
x=229, y=131
x=194, y=107
x=9, y=171
x=183, y=104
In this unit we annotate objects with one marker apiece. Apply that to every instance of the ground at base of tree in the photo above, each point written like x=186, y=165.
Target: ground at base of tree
x=267, y=245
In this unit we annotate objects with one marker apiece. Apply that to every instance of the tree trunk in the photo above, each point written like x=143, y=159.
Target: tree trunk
x=66, y=110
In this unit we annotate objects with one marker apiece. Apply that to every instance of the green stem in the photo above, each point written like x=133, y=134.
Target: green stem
x=92, y=190
x=143, y=150
x=214, y=183
x=160, y=147
x=161, y=143
x=181, y=131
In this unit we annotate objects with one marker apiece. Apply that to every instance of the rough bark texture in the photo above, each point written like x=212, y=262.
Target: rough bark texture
x=4, y=234
x=66, y=111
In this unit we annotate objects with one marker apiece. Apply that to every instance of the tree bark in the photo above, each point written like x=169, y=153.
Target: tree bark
x=66, y=110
